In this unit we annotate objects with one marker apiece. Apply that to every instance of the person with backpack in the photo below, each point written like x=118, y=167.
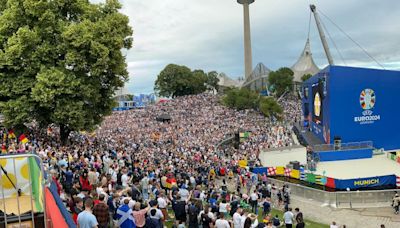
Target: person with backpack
x=152, y=221
x=206, y=217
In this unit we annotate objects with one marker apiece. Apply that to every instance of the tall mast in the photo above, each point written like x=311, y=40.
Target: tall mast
x=322, y=35
x=248, y=63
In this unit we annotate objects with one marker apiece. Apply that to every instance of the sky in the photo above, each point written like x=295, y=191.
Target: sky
x=208, y=35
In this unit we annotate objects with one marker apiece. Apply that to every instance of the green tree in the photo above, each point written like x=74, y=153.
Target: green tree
x=212, y=80
x=305, y=77
x=269, y=107
x=241, y=99
x=175, y=80
x=61, y=61
x=281, y=80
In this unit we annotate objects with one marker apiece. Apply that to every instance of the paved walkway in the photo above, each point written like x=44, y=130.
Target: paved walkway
x=357, y=218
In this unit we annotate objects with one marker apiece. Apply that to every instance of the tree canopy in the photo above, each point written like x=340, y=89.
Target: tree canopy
x=305, y=77
x=241, y=99
x=270, y=108
x=61, y=61
x=175, y=80
x=281, y=80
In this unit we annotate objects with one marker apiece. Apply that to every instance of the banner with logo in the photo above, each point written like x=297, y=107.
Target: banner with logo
x=366, y=182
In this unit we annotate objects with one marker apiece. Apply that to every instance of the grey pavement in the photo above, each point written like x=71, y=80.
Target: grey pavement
x=353, y=218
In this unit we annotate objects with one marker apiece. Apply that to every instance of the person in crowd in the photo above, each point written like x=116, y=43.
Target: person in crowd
x=125, y=216
x=288, y=218
x=334, y=225
x=101, y=212
x=86, y=219
x=222, y=222
x=299, y=218
x=140, y=215
x=396, y=203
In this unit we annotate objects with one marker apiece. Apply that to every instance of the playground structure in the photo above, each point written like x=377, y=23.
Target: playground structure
x=27, y=198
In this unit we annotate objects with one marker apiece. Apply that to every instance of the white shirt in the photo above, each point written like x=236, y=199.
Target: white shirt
x=210, y=215
x=237, y=219
x=162, y=203
x=288, y=217
x=222, y=207
x=334, y=226
x=158, y=215
x=131, y=202
x=242, y=220
x=253, y=196
x=184, y=194
x=222, y=223
x=124, y=180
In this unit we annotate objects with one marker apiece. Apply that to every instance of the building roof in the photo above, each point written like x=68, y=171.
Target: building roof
x=226, y=81
x=305, y=64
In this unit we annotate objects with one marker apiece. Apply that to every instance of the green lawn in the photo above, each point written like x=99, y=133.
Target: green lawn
x=309, y=224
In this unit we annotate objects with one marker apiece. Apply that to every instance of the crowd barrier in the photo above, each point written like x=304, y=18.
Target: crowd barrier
x=340, y=199
x=388, y=181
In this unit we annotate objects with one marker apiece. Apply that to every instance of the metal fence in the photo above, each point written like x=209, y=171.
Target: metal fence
x=343, y=146
x=17, y=194
x=350, y=199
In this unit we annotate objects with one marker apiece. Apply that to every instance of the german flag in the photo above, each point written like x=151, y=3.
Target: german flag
x=22, y=138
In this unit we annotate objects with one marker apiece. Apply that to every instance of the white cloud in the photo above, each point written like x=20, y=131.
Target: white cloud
x=207, y=34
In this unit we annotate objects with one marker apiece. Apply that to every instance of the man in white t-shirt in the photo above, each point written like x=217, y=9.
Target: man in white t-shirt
x=162, y=204
x=333, y=225
x=125, y=178
x=237, y=218
x=221, y=222
x=254, y=201
x=288, y=218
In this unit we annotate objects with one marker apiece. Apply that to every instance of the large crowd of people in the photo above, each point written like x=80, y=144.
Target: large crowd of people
x=146, y=167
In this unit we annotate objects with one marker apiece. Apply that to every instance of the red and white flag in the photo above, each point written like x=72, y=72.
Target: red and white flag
x=398, y=181
x=271, y=171
x=287, y=172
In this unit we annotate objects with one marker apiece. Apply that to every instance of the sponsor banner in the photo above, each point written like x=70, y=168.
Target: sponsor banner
x=260, y=170
x=280, y=170
x=330, y=182
x=366, y=182
x=295, y=174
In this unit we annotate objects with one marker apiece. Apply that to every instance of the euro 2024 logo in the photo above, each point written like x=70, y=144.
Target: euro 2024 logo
x=367, y=103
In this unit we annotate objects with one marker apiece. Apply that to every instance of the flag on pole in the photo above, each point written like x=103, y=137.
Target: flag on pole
x=37, y=187
x=22, y=138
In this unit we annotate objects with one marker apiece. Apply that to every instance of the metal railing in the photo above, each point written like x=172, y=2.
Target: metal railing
x=9, y=173
x=342, y=199
x=343, y=146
